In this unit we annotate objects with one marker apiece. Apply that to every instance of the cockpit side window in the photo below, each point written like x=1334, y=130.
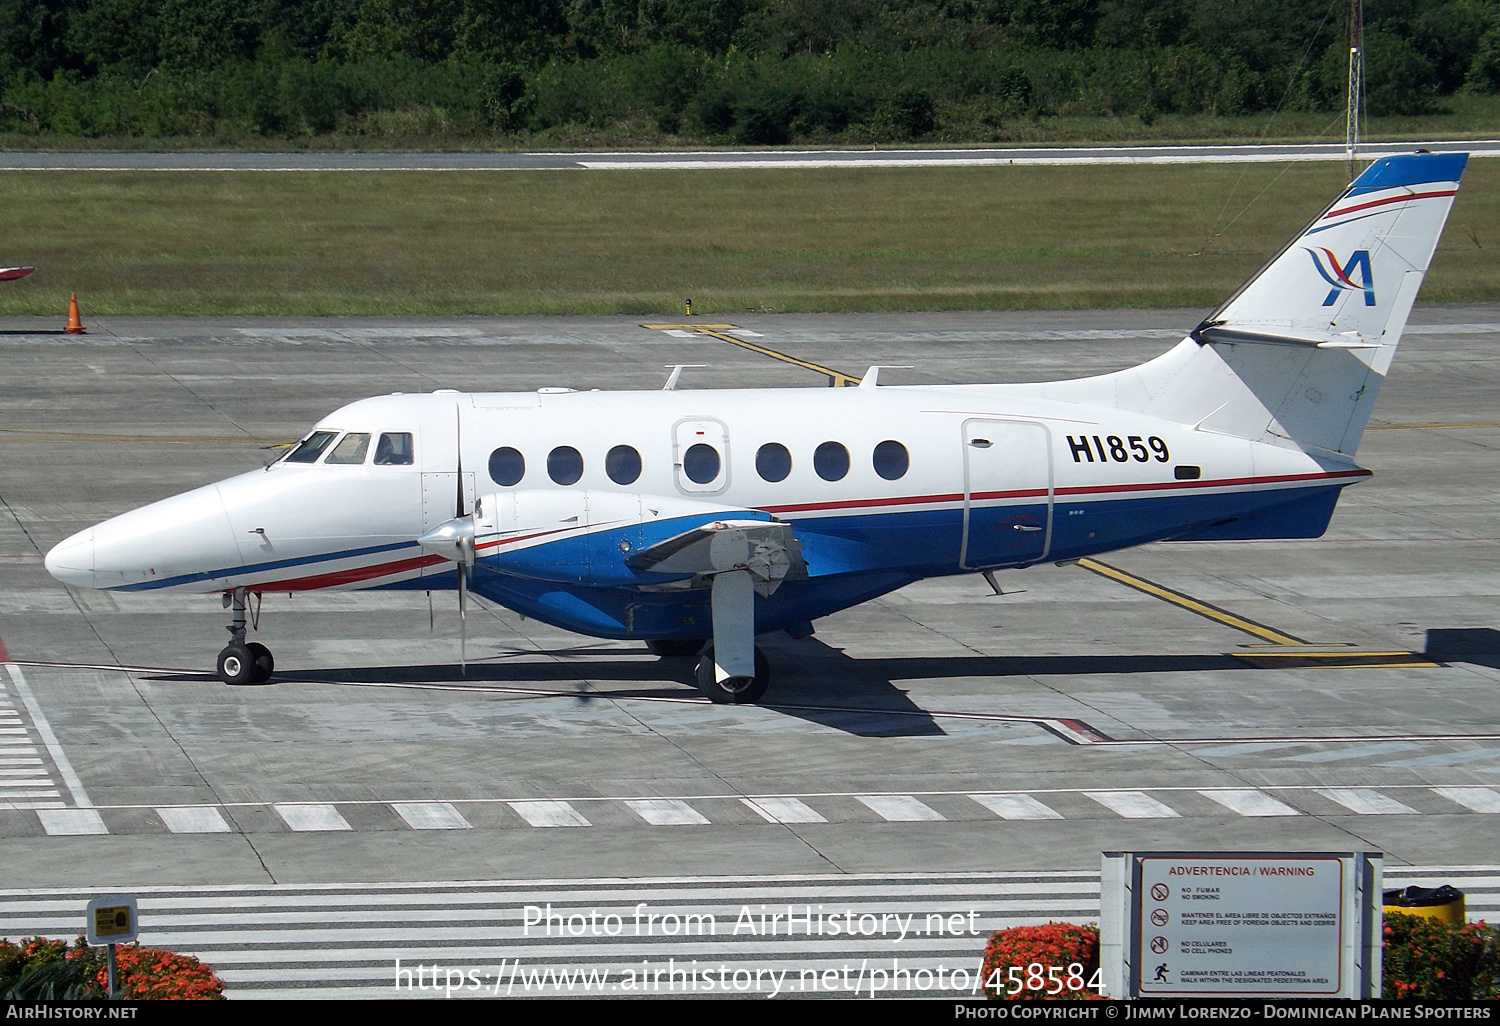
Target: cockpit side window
x=312, y=447
x=351, y=449
x=394, y=449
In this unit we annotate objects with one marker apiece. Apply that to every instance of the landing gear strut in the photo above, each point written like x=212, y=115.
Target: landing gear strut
x=239, y=662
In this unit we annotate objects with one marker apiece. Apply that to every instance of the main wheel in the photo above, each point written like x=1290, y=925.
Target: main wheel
x=676, y=648
x=733, y=690
x=236, y=665
x=264, y=662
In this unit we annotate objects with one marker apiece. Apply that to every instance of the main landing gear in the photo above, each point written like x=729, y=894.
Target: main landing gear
x=731, y=670
x=728, y=691
x=242, y=662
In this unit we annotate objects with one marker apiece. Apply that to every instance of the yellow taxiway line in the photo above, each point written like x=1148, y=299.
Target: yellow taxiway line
x=1285, y=651
x=86, y=438
x=720, y=332
x=1191, y=604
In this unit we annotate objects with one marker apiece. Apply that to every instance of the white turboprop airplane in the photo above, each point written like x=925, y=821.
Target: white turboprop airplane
x=695, y=520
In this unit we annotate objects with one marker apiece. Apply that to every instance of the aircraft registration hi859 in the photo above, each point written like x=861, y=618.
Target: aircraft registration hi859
x=695, y=520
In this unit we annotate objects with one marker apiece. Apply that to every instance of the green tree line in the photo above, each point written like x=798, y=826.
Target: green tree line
x=749, y=71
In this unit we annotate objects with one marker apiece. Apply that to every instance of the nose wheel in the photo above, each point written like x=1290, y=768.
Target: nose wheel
x=243, y=662
x=246, y=664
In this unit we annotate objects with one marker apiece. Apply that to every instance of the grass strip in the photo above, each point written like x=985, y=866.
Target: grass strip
x=639, y=242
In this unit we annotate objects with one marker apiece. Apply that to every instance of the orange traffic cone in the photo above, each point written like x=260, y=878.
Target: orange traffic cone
x=75, y=324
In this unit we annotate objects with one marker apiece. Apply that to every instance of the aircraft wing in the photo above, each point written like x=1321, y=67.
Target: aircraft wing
x=12, y=273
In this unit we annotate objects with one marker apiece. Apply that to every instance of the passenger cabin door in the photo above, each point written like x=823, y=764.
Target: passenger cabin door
x=1007, y=494
x=700, y=456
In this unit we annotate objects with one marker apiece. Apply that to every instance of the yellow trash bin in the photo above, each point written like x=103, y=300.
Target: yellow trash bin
x=1445, y=903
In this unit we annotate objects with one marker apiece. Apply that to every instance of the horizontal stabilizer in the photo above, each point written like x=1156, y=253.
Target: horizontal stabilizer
x=1212, y=332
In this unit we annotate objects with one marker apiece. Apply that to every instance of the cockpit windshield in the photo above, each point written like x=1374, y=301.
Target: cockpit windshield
x=352, y=449
x=311, y=447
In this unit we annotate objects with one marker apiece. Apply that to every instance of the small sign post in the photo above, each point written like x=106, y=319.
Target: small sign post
x=111, y=921
x=1241, y=924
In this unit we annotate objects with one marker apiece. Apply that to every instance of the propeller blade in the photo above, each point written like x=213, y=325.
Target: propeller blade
x=463, y=621
x=458, y=434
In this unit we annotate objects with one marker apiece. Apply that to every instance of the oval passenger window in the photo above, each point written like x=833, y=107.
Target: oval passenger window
x=773, y=462
x=891, y=460
x=565, y=465
x=622, y=464
x=507, y=466
x=831, y=461
x=701, y=463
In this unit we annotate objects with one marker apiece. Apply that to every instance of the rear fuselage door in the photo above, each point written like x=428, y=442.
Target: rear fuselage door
x=1007, y=493
x=700, y=456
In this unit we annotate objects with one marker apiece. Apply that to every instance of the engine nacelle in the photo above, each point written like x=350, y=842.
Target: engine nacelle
x=583, y=537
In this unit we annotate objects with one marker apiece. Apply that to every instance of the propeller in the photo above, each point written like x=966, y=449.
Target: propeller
x=454, y=540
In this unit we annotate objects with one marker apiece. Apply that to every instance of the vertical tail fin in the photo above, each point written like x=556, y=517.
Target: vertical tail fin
x=1345, y=276
x=1298, y=354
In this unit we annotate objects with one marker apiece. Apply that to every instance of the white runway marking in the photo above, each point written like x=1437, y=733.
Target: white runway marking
x=1480, y=799
x=549, y=814
x=1249, y=802
x=900, y=808
x=1132, y=805
x=66, y=822
x=431, y=816
x=783, y=810
x=312, y=818
x=1015, y=806
x=666, y=812
x=321, y=941
x=1366, y=801
x=49, y=740
x=197, y=819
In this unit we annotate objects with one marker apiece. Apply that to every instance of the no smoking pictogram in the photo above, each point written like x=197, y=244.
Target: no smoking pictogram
x=1161, y=892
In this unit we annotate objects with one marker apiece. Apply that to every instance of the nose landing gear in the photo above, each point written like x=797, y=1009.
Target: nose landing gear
x=241, y=662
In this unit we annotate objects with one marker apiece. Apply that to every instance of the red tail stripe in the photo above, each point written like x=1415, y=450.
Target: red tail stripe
x=1390, y=199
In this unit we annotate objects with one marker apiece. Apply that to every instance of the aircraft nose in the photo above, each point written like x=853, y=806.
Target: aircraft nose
x=184, y=540
x=72, y=560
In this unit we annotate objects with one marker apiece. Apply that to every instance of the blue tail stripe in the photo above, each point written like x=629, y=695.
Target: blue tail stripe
x=1410, y=169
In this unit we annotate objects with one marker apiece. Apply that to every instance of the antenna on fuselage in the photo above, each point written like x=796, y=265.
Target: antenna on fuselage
x=676, y=375
x=872, y=376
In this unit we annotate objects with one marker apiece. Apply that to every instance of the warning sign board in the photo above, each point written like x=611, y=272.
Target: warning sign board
x=111, y=921
x=1227, y=924
x=1241, y=926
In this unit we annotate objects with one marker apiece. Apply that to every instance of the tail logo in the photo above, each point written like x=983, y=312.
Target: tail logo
x=1342, y=278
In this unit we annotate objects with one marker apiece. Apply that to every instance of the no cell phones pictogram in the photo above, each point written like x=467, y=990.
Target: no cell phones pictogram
x=1161, y=892
x=1159, y=917
x=1158, y=945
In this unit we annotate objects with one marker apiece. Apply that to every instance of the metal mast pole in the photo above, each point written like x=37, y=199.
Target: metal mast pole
x=1356, y=83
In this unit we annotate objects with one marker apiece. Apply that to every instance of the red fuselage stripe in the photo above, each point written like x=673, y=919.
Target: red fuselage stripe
x=912, y=500
x=355, y=575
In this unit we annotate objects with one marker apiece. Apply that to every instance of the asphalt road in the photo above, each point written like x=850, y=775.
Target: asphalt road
x=935, y=736
x=708, y=159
